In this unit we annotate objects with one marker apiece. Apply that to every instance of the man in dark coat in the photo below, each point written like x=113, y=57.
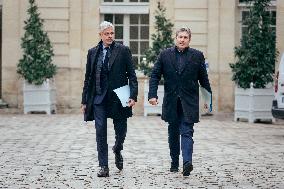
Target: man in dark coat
x=109, y=66
x=182, y=68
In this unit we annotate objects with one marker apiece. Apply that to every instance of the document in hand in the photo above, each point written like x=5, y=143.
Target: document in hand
x=123, y=93
x=207, y=97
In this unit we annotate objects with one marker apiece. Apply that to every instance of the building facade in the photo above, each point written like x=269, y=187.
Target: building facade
x=72, y=26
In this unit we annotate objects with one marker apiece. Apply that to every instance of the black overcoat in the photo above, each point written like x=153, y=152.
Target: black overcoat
x=121, y=72
x=180, y=83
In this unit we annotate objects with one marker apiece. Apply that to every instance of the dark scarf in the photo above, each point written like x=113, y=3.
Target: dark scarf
x=99, y=65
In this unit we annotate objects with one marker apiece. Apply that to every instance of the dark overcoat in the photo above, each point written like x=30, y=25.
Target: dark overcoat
x=121, y=72
x=180, y=83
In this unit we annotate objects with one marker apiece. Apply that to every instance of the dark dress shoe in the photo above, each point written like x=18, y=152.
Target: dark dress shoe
x=174, y=167
x=187, y=168
x=118, y=160
x=103, y=172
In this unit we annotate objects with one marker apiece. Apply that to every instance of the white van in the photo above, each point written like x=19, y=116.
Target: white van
x=278, y=102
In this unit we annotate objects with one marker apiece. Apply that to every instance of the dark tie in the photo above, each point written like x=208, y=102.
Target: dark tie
x=106, y=56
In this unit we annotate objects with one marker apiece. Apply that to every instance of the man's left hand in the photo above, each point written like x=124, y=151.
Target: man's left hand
x=131, y=102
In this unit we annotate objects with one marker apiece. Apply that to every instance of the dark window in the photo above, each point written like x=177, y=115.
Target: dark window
x=118, y=19
x=137, y=36
x=245, y=15
x=134, y=18
x=134, y=47
x=118, y=32
x=109, y=17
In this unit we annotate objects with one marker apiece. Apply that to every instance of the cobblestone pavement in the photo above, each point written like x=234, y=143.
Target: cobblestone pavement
x=59, y=151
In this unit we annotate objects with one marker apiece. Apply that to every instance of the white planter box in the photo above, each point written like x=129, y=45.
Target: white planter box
x=39, y=97
x=148, y=108
x=253, y=104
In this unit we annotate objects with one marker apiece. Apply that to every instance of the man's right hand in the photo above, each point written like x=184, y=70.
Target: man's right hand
x=153, y=101
x=83, y=108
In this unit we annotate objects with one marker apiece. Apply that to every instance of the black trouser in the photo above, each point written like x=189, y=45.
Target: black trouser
x=120, y=127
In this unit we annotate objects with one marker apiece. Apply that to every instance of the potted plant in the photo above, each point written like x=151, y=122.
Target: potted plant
x=255, y=63
x=35, y=66
x=161, y=39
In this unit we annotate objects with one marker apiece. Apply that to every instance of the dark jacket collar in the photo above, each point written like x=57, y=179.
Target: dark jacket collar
x=174, y=50
x=184, y=51
x=100, y=45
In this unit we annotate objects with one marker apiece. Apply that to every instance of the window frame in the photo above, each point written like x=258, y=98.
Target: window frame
x=245, y=7
x=247, y=4
x=126, y=33
x=127, y=8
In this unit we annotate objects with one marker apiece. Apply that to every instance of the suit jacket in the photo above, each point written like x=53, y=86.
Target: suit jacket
x=180, y=83
x=121, y=72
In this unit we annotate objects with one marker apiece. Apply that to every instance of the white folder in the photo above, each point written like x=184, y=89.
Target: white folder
x=123, y=93
x=207, y=97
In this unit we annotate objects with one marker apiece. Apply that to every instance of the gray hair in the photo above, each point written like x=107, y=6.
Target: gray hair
x=104, y=25
x=184, y=29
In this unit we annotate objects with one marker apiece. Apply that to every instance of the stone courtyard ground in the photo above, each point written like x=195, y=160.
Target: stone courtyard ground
x=59, y=151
